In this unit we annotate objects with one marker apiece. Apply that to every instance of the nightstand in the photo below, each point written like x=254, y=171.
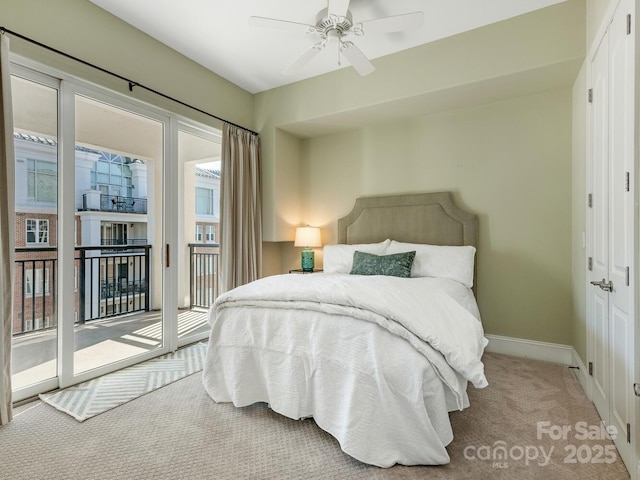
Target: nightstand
x=299, y=270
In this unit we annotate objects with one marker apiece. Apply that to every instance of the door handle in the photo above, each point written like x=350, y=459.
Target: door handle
x=606, y=286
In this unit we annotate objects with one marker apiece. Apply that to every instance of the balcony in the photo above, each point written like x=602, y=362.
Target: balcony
x=108, y=283
x=114, y=318
x=133, y=244
x=34, y=356
x=97, y=202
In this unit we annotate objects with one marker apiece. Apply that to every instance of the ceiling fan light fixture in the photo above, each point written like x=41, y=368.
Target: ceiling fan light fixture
x=333, y=36
x=335, y=23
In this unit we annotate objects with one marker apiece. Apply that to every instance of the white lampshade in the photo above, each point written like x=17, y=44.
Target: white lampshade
x=307, y=237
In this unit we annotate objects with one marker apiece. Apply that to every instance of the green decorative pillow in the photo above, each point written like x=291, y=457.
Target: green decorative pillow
x=396, y=265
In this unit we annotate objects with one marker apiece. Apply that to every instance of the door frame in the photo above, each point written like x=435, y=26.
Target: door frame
x=70, y=89
x=53, y=82
x=634, y=363
x=199, y=130
x=67, y=86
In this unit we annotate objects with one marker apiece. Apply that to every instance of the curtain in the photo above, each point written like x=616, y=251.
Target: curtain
x=7, y=234
x=241, y=208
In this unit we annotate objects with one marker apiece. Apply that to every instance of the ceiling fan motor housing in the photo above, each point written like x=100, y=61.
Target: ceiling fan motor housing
x=326, y=23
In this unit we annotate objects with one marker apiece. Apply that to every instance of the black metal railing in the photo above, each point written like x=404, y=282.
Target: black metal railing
x=123, y=241
x=115, y=284
x=105, y=285
x=116, y=203
x=132, y=244
x=35, y=289
x=204, y=267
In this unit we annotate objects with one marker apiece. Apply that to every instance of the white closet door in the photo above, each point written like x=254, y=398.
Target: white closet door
x=612, y=226
x=621, y=235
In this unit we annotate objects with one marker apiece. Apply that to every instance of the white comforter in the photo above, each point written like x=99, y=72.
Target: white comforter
x=377, y=361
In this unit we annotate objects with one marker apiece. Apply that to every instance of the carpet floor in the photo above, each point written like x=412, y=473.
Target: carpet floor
x=178, y=432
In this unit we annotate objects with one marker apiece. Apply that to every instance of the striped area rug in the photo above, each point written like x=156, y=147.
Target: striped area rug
x=96, y=396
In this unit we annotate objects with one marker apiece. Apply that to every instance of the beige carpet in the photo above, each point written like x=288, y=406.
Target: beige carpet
x=177, y=432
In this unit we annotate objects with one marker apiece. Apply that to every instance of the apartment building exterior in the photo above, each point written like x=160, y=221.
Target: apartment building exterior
x=112, y=229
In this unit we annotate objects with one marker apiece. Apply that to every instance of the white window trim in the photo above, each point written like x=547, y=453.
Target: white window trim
x=37, y=231
x=210, y=235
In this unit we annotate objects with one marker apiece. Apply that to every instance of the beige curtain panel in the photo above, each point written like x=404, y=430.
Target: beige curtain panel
x=7, y=234
x=240, y=209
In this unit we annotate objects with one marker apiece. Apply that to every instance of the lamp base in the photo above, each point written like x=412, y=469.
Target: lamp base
x=307, y=260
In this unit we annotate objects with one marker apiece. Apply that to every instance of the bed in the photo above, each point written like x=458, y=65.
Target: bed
x=378, y=361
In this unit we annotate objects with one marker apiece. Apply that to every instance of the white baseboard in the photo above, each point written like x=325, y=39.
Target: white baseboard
x=547, y=352
x=519, y=347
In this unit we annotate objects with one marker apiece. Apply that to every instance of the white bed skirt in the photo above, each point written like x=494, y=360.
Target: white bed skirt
x=381, y=399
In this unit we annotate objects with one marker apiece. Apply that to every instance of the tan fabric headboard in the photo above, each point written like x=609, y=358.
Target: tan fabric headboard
x=431, y=218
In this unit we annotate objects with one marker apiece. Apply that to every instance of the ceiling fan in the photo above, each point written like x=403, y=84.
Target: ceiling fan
x=333, y=25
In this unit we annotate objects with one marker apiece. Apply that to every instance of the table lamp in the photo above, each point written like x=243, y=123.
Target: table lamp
x=307, y=237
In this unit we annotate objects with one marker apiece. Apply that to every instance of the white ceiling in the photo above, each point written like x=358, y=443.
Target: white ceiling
x=216, y=33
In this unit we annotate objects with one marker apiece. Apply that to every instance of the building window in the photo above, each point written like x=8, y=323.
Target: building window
x=198, y=233
x=114, y=233
x=42, y=181
x=207, y=201
x=41, y=284
x=37, y=231
x=112, y=175
x=211, y=234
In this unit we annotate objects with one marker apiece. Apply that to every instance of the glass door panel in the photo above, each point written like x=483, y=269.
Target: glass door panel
x=119, y=220
x=35, y=320
x=199, y=229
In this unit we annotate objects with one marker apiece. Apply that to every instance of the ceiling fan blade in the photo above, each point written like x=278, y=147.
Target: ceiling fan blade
x=305, y=58
x=281, y=24
x=338, y=8
x=396, y=23
x=358, y=59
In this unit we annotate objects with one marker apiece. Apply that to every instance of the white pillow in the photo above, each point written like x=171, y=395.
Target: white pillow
x=339, y=258
x=440, y=261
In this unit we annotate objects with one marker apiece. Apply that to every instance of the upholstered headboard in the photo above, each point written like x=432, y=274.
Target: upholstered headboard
x=431, y=218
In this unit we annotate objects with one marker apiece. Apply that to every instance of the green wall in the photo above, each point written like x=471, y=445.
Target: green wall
x=508, y=161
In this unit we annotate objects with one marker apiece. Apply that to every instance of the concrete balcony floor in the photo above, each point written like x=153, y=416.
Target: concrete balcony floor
x=97, y=343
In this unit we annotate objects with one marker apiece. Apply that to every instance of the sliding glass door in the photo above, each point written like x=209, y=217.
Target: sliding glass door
x=35, y=319
x=117, y=228
x=119, y=236
x=199, y=175
x=90, y=233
